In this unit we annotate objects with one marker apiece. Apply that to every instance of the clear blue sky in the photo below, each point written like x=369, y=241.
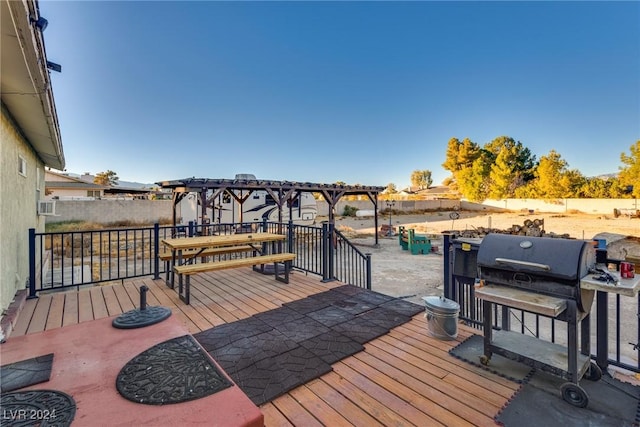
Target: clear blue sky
x=360, y=92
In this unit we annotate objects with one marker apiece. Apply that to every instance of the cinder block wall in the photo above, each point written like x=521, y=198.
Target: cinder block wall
x=150, y=211
x=109, y=211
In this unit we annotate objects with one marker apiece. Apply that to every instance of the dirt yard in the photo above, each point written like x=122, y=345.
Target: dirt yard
x=398, y=273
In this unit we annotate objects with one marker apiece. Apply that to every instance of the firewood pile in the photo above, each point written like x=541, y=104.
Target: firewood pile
x=534, y=228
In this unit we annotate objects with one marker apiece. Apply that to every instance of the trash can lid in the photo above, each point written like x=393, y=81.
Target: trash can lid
x=440, y=302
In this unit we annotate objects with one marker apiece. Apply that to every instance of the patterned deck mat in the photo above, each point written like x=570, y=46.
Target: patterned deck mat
x=24, y=373
x=472, y=348
x=273, y=352
x=173, y=371
x=539, y=402
x=37, y=408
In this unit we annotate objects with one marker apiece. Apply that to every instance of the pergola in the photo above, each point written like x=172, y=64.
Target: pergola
x=283, y=192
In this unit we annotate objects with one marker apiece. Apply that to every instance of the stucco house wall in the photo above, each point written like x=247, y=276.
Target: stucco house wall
x=19, y=193
x=29, y=140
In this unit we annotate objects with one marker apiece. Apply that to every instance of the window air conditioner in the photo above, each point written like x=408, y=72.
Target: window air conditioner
x=47, y=207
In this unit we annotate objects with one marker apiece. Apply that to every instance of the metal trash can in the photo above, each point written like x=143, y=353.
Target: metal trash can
x=442, y=317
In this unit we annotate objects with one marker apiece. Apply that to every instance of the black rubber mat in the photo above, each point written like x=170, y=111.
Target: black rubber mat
x=278, y=316
x=330, y=296
x=302, y=329
x=472, y=348
x=385, y=318
x=354, y=306
x=331, y=316
x=246, y=351
x=14, y=376
x=403, y=307
x=270, y=353
x=360, y=330
x=539, y=402
x=349, y=290
x=174, y=371
x=225, y=334
x=374, y=298
x=332, y=346
x=37, y=408
x=307, y=305
x=269, y=378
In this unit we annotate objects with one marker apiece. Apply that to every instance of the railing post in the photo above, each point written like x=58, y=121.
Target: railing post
x=368, y=279
x=290, y=235
x=191, y=229
x=331, y=251
x=446, y=270
x=156, y=251
x=32, y=263
x=324, y=252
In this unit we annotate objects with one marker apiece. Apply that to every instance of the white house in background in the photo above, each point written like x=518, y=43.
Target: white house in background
x=30, y=141
x=60, y=186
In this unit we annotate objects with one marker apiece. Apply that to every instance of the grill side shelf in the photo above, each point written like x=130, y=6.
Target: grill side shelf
x=524, y=300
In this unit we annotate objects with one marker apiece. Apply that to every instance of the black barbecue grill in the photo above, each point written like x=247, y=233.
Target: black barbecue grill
x=539, y=275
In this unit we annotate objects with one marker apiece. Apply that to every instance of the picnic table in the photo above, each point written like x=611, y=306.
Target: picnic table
x=182, y=255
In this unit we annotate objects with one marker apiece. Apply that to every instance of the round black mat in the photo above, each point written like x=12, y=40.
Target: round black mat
x=173, y=371
x=140, y=318
x=37, y=408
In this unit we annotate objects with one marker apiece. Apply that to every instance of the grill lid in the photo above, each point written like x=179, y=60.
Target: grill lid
x=565, y=259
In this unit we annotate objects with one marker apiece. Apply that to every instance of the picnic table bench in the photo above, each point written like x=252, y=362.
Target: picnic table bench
x=167, y=256
x=415, y=243
x=186, y=270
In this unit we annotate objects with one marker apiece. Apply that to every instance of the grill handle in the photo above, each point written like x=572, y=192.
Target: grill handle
x=523, y=263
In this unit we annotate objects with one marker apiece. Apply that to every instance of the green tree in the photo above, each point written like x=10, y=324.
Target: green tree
x=599, y=188
x=630, y=172
x=554, y=180
x=548, y=174
x=572, y=181
x=106, y=178
x=459, y=160
x=460, y=155
x=391, y=188
x=472, y=181
x=512, y=166
x=421, y=179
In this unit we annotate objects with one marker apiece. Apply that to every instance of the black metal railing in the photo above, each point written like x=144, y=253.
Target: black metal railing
x=617, y=344
x=59, y=260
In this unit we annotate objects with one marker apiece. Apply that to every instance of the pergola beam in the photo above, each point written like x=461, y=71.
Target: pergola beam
x=281, y=191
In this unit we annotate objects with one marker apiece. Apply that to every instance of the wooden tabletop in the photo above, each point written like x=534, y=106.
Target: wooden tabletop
x=218, y=241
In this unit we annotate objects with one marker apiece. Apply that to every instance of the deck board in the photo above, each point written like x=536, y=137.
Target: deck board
x=320, y=409
x=99, y=303
x=54, y=320
x=350, y=411
x=70, y=315
x=85, y=309
x=39, y=319
x=403, y=378
x=110, y=300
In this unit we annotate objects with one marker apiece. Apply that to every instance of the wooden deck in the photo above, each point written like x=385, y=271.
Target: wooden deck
x=403, y=378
